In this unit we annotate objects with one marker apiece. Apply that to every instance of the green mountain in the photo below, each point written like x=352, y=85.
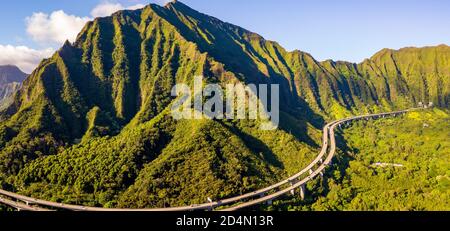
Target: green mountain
x=390, y=79
x=11, y=78
x=92, y=123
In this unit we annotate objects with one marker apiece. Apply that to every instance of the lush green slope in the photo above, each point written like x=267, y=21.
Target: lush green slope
x=91, y=124
x=411, y=74
x=389, y=164
x=160, y=164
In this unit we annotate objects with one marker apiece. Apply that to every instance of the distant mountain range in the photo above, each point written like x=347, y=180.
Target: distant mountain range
x=11, y=78
x=93, y=121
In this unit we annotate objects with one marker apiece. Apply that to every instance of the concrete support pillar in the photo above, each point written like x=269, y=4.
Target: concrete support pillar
x=293, y=190
x=302, y=191
x=310, y=171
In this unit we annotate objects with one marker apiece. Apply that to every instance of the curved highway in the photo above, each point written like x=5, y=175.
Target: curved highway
x=21, y=206
x=268, y=194
x=321, y=168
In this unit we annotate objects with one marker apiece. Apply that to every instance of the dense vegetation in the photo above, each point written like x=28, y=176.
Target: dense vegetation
x=389, y=164
x=91, y=125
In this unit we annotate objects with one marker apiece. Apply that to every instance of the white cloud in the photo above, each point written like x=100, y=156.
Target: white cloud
x=54, y=28
x=25, y=58
x=135, y=7
x=57, y=27
x=108, y=8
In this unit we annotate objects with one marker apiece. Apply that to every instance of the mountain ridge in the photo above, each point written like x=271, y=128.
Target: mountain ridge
x=93, y=121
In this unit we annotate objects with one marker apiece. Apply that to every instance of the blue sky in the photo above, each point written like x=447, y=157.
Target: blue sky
x=348, y=30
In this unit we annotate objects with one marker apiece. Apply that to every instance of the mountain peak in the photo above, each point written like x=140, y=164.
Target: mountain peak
x=9, y=67
x=175, y=3
x=11, y=73
x=11, y=78
x=179, y=6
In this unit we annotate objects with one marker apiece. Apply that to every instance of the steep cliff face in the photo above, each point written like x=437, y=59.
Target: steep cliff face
x=6, y=92
x=11, y=74
x=391, y=78
x=11, y=78
x=411, y=74
x=127, y=64
x=94, y=119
